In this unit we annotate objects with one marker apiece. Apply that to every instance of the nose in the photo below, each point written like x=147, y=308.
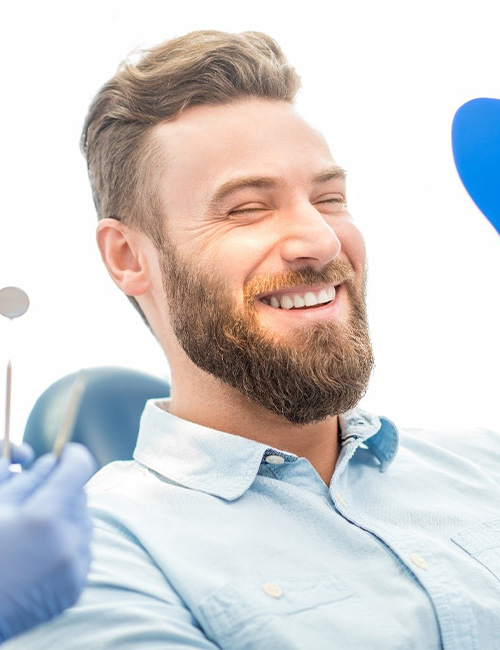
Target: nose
x=307, y=237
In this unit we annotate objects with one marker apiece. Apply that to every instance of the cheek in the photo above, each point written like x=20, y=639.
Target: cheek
x=353, y=246
x=236, y=255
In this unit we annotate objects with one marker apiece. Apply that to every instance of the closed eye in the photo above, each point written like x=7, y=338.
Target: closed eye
x=337, y=203
x=248, y=209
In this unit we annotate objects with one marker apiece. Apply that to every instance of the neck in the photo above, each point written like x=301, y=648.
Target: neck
x=210, y=403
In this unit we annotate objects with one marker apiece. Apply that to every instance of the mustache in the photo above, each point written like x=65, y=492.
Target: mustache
x=334, y=272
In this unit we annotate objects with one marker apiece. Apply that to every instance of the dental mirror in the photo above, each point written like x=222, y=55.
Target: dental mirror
x=14, y=302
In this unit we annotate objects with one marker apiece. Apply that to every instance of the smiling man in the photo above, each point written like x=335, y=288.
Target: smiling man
x=256, y=289
x=263, y=509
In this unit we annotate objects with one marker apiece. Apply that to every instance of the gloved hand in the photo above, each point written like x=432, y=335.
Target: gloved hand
x=44, y=538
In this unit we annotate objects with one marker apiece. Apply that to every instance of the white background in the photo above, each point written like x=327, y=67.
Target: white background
x=381, y=79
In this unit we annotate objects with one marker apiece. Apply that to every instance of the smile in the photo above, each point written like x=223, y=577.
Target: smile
x=300, y=299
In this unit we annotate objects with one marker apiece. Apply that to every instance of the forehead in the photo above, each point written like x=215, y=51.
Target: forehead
x=237, y=115
x=208, y=144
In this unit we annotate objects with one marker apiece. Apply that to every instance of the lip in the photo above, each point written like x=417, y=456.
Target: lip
x=305, y=314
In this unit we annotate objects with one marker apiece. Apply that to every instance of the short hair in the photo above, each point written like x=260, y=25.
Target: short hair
x=203, y=67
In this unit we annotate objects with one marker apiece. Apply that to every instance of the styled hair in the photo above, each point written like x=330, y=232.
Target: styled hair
x=202, y=67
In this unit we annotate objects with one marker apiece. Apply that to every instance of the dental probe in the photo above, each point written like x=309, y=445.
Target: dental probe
x=14, y=302
x=64, y=433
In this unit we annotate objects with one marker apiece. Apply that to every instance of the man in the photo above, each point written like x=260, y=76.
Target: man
x=262, y=510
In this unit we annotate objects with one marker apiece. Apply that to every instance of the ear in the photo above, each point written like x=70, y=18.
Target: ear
x=124, y=253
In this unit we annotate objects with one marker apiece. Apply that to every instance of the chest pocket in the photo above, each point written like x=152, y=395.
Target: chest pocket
x=482, y=542
x=259, y=613
x=285, y=614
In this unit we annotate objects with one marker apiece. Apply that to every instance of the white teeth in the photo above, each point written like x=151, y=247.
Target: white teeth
x=310, y=299
x=274, y=301
x=286, y=302
x=323, y=296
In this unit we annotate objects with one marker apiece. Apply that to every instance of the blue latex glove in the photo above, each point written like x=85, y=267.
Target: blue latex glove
x=44, y=538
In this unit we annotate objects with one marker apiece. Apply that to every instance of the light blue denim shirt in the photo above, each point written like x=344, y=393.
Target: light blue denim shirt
x=209, y=540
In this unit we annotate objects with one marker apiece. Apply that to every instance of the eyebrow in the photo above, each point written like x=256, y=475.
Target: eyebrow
x=267, y=182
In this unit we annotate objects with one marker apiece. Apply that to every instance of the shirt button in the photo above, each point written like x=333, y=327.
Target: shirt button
x=418, y=560
x=273, y=459
x=339, y=498
x=272, y=589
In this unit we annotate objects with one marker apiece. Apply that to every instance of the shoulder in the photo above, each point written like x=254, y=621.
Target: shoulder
x=113, y=475
x=129, y=480
x=129, y=500
x=453, y=440
x=475, y=446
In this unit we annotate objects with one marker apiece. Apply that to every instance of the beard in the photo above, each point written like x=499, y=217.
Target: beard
x=313, y=373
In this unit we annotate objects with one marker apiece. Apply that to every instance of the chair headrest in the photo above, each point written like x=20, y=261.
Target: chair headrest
x=108, y=418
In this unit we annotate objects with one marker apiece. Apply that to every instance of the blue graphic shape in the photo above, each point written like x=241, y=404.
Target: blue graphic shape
x=476, y=149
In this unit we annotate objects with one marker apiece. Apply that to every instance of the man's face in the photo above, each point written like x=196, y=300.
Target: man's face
x=263, y=268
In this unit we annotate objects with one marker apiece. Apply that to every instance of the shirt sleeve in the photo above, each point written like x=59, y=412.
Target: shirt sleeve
x=128, y=604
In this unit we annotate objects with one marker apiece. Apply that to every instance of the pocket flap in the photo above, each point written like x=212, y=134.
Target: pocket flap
x=480, y=537
x=482, y=542
x=230, y=606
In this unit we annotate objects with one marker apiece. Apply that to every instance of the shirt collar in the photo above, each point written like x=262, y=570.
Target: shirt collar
x=225, y=465
x=378, y=433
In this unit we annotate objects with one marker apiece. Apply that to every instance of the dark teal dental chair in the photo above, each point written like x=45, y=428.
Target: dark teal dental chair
x=107, y=422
